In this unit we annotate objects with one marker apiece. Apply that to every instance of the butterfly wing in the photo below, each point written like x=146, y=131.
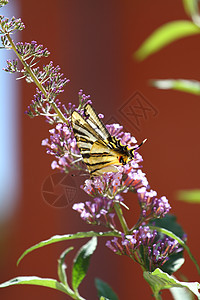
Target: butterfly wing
x=93, y=142
x=84, y=133
x=102, y=159
x=96, y=123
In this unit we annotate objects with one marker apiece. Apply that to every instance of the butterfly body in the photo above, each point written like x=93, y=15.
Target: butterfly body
x=101, y=152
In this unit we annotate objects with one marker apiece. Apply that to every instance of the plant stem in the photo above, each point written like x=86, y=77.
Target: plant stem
x=157, y=296
x=78, y=296
x=121, y=218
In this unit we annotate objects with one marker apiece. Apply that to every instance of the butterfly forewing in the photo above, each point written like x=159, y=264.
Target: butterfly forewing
x=81, y=128
x=84, y=134
x=95, y=123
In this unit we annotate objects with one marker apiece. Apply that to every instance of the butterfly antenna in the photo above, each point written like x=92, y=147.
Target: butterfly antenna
x=140, y=144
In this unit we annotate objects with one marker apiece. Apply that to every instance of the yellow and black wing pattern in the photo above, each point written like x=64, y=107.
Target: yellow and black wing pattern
x=101, y=152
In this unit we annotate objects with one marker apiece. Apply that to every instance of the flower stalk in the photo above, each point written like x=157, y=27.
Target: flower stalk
x=35, y=79
x=121, y=218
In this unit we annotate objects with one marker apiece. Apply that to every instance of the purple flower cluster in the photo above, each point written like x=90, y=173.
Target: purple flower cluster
x=144, y=247
x=9, y=25
x=98, y=211
x=151, y=206
x=130, y=243
x=52, y=82
x=29, y=50
x=11, y=66
x=111, y=184
x=62, y=143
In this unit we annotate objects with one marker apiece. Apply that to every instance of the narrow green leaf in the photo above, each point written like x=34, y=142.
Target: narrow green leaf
x=158, y=280
x=60, y=238
x=104, y=290
x=81, y=262
x=169, y=222
x=34, y=280
x=184, y=85
x=62, y=267
x=192, y=9
x=164, y=36
x=190, y=196
x=181, y=242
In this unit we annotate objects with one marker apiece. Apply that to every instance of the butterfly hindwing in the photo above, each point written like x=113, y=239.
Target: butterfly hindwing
x=102, y=159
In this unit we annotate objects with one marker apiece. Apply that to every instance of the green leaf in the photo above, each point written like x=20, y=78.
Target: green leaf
x=60, y=238
x=184, y=85
x=164, y=36
x=192, y=9
x=34, y=280
x=81, y=262
x=104, y=290
x=191, y=196
x=169, y=222
x=158, y=280
x=62, y=267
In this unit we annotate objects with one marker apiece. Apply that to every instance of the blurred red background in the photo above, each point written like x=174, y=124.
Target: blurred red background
x=93, y=42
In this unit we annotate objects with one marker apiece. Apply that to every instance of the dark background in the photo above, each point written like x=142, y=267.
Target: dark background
x=93, y=42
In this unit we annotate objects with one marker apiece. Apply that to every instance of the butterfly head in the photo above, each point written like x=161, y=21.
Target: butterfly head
x=130, y=154
x=123, y=159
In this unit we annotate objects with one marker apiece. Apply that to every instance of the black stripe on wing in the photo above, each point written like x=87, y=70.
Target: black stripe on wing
x=98, y=166
x=98, y=163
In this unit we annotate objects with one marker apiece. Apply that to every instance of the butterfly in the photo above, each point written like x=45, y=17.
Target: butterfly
x=100, y=151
